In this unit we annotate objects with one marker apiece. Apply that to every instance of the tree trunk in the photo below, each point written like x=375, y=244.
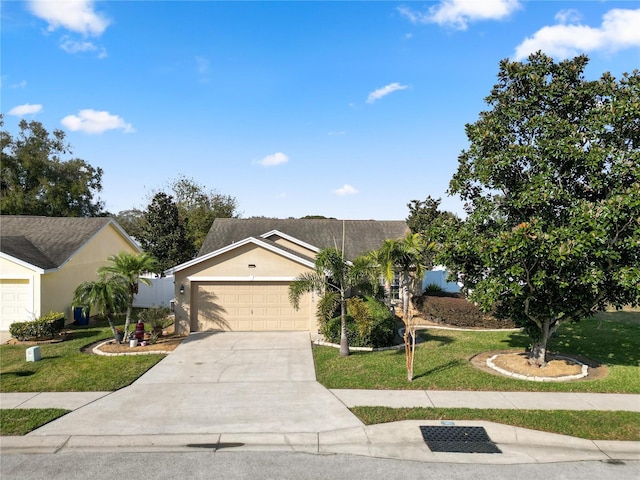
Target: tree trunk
x=409, y=350
x=344, y=342
x=127, y=322
x=538, y=354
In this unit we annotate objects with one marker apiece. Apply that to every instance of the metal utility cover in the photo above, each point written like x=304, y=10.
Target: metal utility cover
x=458, y=439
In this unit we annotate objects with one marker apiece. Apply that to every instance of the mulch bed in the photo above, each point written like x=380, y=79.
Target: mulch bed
x=515, y=361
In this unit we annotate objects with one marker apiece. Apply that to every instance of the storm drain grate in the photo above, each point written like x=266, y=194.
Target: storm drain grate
x=458, y=439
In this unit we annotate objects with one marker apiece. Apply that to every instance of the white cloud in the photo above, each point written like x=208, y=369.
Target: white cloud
x=26, y=109
x=568, y=16
x=73, y=46
x=75, y=15
x=92, y=121
x=459, y=13
x=384, y=91
x=620, y=29
x=346, y=189
x=277, y=158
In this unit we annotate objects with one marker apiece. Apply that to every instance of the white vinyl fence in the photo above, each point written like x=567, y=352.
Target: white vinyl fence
x=159, y=293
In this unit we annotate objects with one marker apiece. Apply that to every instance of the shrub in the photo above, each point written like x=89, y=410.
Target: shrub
x=433, y=289
x=456, y=312
x=46, y=326
x=369, y=324
x=157, y=318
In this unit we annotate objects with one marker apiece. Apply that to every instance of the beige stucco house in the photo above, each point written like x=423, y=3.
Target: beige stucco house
x=43, y=260
x=241, y=277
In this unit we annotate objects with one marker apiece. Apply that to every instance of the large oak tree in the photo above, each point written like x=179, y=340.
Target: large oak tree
x=551, y=182
x=37, y=180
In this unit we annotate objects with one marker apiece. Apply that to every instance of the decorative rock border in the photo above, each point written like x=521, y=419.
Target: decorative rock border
x=584, y=373
x=97, y=351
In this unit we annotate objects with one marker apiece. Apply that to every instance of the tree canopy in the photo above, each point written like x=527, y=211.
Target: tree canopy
x=36, y=180
x=551, y=182
x=163, y=234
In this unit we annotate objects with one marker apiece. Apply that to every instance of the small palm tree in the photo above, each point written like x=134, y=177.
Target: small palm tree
x=332, y=273
x=106, y=296
x=129, y=267
x=407, y=258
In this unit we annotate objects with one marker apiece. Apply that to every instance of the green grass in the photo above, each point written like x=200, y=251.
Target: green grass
x=583, y=424
x=22, y=421
x=442, y=361
x=64, y=368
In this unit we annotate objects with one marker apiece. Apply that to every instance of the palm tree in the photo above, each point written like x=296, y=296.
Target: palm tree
x=129, y=267
x=106, y=296
x=332, y=273
x=405, y=257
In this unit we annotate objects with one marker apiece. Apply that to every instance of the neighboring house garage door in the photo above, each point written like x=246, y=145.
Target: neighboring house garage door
x=247, y=306
x=14, y=302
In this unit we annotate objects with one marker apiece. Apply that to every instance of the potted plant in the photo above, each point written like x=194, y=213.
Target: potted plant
x=119, y=335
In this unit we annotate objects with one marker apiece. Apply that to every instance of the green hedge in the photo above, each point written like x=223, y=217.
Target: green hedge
x=44, y=327
x=369, y=324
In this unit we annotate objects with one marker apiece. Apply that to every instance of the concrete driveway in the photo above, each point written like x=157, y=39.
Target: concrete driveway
x=228, y=382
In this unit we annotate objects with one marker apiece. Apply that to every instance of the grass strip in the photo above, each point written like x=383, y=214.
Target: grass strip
x=21, y=421
x=592, y=425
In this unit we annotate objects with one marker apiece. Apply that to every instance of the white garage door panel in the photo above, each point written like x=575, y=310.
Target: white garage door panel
x=250, y=306
x=15, y=301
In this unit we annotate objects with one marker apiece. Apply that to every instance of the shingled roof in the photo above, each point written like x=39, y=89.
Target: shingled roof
x=46, y=242
x=360, y=236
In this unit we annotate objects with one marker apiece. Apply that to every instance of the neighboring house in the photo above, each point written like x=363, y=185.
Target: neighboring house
x=240, y=279
x=44, y=259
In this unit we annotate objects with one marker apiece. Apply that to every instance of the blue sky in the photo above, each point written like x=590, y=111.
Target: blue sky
x=342, y=109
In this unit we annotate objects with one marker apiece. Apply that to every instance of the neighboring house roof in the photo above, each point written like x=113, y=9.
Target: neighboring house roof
x=359, y=236
x=49, y=242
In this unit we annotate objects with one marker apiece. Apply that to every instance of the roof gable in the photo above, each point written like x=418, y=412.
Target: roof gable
x=49, y=242
x=359, y=236
x=261, y=242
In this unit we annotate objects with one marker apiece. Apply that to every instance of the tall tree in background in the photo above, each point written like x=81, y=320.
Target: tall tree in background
x=163, y=235
x=551, y=182
x=36, y=180
x=132, y=221
x=198, y=208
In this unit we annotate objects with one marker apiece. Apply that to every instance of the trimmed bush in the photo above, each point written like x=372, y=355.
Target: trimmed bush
x=46, y=326
x=457, y=312
x=369, y=324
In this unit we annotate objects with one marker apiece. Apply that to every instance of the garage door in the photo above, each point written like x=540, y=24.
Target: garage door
x=15, y=302
x=247, y=306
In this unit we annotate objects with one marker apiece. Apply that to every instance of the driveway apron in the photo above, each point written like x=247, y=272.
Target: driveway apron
x=231, y=382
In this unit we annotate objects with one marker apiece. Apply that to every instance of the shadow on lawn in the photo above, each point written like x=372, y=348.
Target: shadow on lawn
x=608, y=342
x=441, y=368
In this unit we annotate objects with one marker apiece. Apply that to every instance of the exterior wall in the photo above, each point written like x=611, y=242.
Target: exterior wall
x=243, y=263
x=439, y=276
x=58, y=287
x=13, y=271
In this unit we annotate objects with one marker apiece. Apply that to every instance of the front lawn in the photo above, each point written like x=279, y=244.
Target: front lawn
x=442, y=361
x=65, y=368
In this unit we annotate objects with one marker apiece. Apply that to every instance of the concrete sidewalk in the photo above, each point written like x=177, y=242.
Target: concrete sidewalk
x=388, y=398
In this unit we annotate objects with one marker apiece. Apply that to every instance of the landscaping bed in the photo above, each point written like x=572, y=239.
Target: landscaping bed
x=456, y=311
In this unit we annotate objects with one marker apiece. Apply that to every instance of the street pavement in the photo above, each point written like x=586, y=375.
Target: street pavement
x=258, y=392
